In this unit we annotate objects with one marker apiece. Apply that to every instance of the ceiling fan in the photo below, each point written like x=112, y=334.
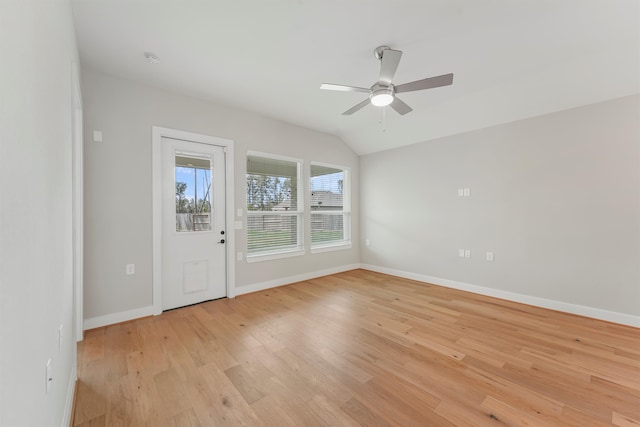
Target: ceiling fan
x=384, y=92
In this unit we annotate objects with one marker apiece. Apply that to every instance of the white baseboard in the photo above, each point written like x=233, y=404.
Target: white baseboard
x=255, y=287
x=596, y=313
x=122, y=316
x=71, y=389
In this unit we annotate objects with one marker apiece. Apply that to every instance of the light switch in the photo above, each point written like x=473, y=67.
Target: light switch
x=489, y=256
x=131, y=269
x=460, y=192
x=239, y=213
x=466, y=192
x=467, y=253
x=461, y=253
x=97, y=136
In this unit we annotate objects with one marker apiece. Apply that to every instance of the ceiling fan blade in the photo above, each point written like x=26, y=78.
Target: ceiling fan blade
x=400, y=106
x=357, y=107
x=428, y=83
x=343, y=88
x=388, y=65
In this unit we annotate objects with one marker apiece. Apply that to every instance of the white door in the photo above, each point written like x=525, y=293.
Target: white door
x=193, y=223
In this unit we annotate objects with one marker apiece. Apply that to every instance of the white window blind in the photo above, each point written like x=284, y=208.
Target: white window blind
x=330, y=206
x=274, y=205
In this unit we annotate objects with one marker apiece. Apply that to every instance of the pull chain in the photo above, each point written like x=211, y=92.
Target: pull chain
x=383, y=119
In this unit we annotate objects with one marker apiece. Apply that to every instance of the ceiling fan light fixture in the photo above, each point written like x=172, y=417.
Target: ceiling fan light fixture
x=382, y=97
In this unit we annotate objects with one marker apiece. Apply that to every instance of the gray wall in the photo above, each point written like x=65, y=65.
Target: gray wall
x=118, y=199
x=556, y=198
x=37, y=49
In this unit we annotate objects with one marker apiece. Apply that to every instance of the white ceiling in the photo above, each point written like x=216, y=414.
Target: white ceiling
x=511, y=58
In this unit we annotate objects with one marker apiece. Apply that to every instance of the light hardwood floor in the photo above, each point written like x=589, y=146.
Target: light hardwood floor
x=360, y=348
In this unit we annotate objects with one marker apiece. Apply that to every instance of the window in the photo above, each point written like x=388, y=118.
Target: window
x=274, y=207
x=193, y=192
x=330, y=207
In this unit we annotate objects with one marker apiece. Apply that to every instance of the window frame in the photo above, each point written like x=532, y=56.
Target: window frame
x=345, y=243
x=299, y=213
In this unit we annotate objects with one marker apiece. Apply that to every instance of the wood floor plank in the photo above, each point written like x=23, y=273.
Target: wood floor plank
x=95, y=422
x=408, y=409
x=363, y=415
x=90, y=404
x=511, y=415
x=223, y=404
x=360, y=348
x=172, y=392
x=184, y=419
x=119, y=405
x=330, y=413
x=624, y=421
x=245, y=383
x=271, y=412
x=463, y=414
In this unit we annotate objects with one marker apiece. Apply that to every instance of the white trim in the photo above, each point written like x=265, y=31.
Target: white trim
x=71, y=388
x=270, y=256
x=283, y=213
x=328, y=165
x=274, y=156
x=78, y=202
x=329, y=248
x=156, y=178
x=122, y=316
x=596, y=313
x=255, y=287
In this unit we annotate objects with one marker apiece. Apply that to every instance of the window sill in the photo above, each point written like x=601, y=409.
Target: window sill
x=274, y=255
x=331, y=247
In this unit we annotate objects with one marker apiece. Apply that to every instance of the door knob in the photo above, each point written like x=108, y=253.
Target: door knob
x=221, y=241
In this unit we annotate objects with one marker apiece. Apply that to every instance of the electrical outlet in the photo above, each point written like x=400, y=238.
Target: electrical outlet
x=131, y=269
x=489, y=256
x=461, y=253
x=48, y=377
x=466, y=192
x=97, y=136
x=239, y=256
x=460, y=192
x=467, y=253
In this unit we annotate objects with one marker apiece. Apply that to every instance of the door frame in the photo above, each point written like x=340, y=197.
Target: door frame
x=77, y=183
x=156, y=177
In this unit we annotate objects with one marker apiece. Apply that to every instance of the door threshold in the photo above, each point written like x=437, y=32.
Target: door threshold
x=191, y=305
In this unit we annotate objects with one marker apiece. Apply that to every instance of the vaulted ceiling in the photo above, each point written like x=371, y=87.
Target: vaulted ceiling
x=511, y=59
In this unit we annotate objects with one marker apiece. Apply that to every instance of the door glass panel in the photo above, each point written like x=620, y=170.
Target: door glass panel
x=193, y=193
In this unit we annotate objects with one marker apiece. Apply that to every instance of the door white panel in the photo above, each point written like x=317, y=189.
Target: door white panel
x=195, y=276
x=193, y=223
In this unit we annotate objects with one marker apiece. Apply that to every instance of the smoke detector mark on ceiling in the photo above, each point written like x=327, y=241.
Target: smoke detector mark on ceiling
x=151, y=57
